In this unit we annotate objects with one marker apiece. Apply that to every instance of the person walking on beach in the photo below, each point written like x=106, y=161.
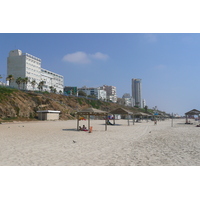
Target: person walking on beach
x=155, y=122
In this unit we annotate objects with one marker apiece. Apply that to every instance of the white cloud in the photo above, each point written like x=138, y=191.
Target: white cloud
x=100, y=56
x=80, y=57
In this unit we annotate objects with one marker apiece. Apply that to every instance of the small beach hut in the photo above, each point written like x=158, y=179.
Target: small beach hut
x=48, y=114
x=191, y=112
x=121, y=111
x=91, y=111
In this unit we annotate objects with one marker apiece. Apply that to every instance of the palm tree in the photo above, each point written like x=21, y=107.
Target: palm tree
x=33, y=83
x=40, y=85
x=10, y=78
x=24, y=81
x=19, y=81
x=51, y=88
x=54, y=90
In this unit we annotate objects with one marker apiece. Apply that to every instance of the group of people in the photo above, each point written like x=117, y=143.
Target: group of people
x=83, y=128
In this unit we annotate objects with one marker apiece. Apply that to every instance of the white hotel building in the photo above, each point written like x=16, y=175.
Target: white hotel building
x=25, y=65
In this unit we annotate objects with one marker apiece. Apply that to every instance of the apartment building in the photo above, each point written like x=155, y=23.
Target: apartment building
x=100, y=94
x=25, y=65
x=52, y=79
x=128, y=100
x=111, y=92
x=137, y=92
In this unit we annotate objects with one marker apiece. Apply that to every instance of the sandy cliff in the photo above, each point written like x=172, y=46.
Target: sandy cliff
x=16, y=103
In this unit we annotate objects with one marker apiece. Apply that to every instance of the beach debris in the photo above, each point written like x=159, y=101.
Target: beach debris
x=74, y=141
x=149, y=131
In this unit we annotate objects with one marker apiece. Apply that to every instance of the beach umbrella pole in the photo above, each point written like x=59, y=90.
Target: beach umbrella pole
x=106, y=118
x=88, y=122
x=77, y=122
x=128, y=120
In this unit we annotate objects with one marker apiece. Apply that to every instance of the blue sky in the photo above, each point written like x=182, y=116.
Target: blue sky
x=168, y=64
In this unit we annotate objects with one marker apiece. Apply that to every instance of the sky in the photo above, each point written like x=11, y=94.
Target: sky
x=167, y=63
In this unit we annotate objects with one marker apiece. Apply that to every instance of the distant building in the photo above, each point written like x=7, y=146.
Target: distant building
x=128, y=100
x=97, y=92
x=70, y=90
x=137, y=92
x=144, y=103
x=2, y=83
x=25, y=65
x=126, y=95
x=52, y=79
x=111, y=92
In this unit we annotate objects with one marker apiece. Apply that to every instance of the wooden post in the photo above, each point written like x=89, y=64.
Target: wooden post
x=113, y=118
x=77, y=122
x=172, y=120
x=128, y=119
x=106, y=117
x=133, y=119
x=89, y=122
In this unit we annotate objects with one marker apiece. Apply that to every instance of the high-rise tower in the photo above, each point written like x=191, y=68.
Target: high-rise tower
x=137, y=91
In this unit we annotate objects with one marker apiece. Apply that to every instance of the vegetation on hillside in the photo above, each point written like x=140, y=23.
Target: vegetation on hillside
x=17, y=104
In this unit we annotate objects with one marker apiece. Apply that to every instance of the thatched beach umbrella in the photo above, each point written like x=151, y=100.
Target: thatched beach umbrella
x=121, y=111
x=141, y=114
x=192, y=112
x=89, y=112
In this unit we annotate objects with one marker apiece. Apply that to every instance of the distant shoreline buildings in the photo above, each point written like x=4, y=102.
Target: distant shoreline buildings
x=24, y=65
x=105, y=92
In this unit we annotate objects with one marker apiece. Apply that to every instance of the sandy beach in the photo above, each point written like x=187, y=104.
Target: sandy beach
x=57, y=143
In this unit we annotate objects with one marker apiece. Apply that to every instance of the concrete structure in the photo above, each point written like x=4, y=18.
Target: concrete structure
x=25, y=65
x=137, y=92
x=48, y=115
x=111, y=92
x=100, y=94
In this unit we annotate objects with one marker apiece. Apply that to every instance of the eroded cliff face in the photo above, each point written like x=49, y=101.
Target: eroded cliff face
x=16, y=103
x=26, y=104
x=20, y=104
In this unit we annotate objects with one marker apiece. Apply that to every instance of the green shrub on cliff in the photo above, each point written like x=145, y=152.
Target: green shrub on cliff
x=5, y=92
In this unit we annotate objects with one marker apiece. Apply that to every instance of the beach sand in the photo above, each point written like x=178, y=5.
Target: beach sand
x=57, y=143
